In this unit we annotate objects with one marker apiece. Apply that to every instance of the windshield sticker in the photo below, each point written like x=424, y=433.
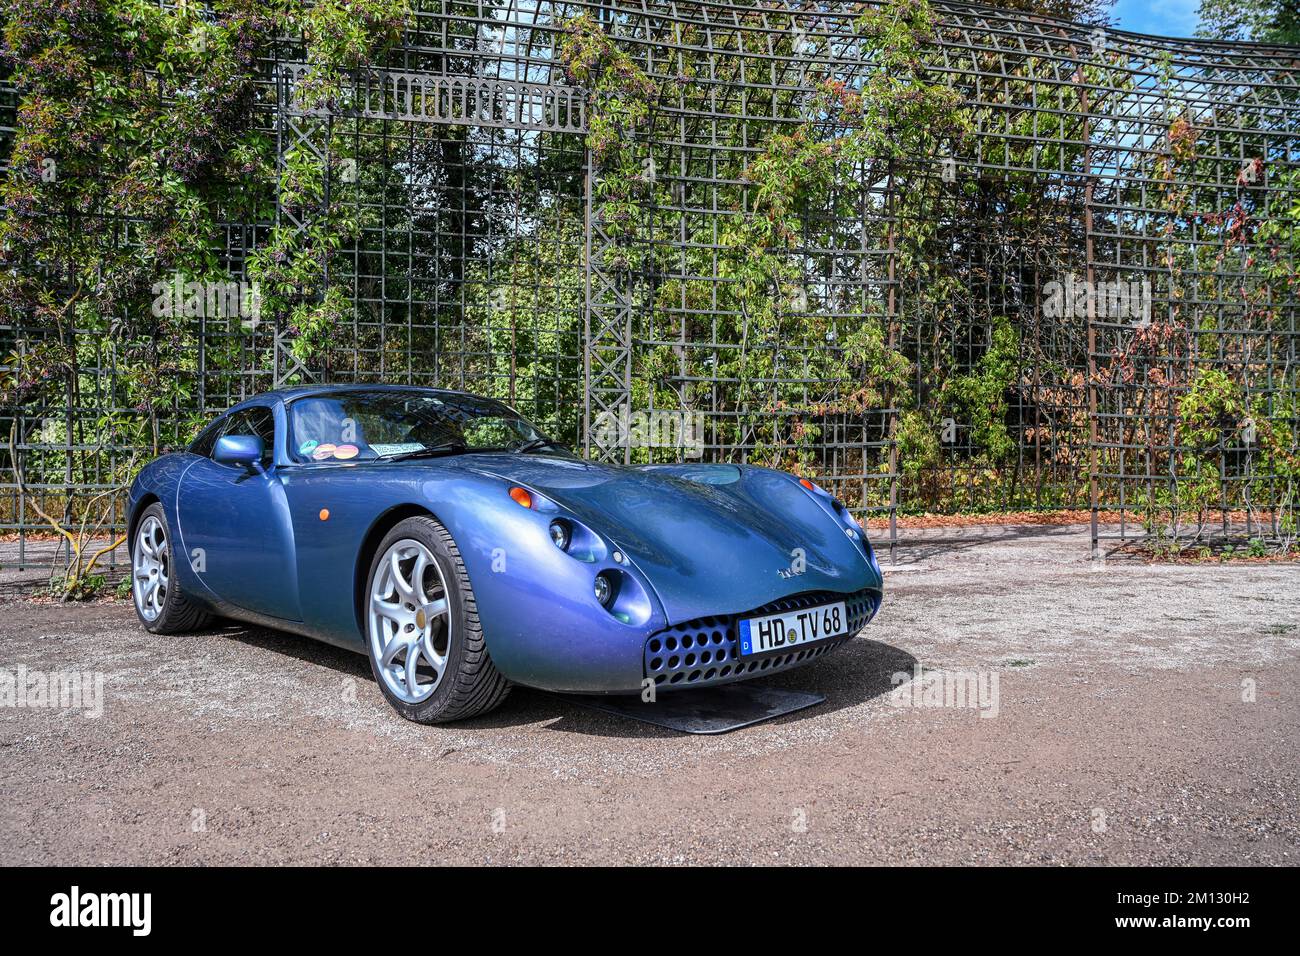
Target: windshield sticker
x=307, y=447
x=346, y=451
x=400, y=448
x=324, y=451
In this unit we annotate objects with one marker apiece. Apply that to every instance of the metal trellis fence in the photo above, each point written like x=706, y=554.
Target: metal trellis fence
x=1082, y=297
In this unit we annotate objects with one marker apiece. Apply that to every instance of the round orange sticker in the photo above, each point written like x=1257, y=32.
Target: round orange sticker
x=324, y=451
x=346, y=451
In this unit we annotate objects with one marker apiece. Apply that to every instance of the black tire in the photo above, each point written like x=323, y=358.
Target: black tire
x=179, y=611
x=471, y=684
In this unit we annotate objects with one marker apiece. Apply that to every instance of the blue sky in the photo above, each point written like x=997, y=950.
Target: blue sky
x=1170, y=18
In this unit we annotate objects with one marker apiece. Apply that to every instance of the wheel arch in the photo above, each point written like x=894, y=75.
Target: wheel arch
x=133, y=519
x=366, y=552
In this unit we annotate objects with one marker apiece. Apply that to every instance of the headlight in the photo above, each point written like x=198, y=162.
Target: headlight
x=561, y=535
x=604, y=590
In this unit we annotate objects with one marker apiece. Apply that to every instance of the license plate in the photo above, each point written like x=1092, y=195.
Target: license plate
x=776, y=631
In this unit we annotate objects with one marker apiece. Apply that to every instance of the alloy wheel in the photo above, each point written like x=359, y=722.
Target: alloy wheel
x=409, y=621
x=150, y=568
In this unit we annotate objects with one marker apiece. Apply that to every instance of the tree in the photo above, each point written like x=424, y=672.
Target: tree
x=138, y=134
x=1080, y=11
x=1262, y=21
x=132, y=143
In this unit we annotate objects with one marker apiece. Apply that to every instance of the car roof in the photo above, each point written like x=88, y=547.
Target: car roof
x=302, y=391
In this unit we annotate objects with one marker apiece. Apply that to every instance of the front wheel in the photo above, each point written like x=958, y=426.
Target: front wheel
x=423, y=635
x=160, y=603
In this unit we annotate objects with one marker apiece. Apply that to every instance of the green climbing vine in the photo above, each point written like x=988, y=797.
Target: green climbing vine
x=292, y=268
x=138, y=136
x=852, y=138
x=754, y=272
x=622, y=98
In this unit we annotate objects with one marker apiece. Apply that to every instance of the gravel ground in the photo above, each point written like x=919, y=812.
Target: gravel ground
x=1143, y=715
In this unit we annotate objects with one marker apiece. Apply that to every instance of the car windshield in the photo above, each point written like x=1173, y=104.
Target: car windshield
x=365, y=425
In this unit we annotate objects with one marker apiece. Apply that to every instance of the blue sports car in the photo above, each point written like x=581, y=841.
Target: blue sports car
x=464, y=551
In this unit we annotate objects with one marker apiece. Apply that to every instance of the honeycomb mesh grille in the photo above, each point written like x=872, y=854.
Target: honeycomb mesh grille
x=706, y=651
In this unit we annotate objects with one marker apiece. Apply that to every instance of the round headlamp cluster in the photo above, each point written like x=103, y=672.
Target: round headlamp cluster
x=615, y=590
x=604, y=590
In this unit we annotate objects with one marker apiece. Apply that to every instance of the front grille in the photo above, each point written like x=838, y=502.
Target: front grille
x=706, y=651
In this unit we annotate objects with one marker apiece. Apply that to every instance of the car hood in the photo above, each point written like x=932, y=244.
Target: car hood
x=711, y=539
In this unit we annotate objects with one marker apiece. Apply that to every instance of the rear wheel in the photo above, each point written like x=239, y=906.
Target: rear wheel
x=160, y=603
x=423, y=635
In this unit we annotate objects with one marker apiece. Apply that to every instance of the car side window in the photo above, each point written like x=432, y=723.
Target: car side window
x=207, y=439
x=259, y=421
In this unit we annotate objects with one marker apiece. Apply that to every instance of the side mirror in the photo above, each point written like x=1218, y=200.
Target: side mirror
x=244, y=450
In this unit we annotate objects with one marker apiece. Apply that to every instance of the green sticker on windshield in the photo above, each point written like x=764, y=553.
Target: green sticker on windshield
x=307, y=447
